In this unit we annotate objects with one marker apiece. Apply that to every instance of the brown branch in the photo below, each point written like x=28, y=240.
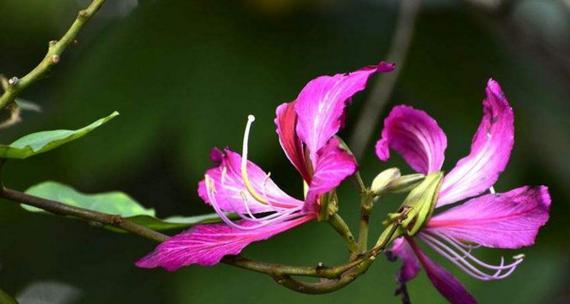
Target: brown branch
x=82, y=213
x=14, y=86
x=333, y=278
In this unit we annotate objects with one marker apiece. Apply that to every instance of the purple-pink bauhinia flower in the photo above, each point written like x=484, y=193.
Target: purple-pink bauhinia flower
x=306, y=128
x=507, y=220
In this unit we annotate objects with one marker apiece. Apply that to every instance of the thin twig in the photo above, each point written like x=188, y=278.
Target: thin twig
x=52, y=57
x=382, y=89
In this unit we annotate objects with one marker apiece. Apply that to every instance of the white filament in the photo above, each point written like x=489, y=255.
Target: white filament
x=467, y=262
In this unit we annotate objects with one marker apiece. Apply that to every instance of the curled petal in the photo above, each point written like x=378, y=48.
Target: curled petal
x=320, y=105
x=333, y=166
x=207, y=244
x=447, y=285
x=414, y=135
x=230, y=191
x=490, y=150
x=410, y=264
x=503, y=220
x=286, y=120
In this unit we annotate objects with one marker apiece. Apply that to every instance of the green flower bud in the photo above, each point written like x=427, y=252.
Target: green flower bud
x=405, y=183
x=382, y=180
x=390, y=180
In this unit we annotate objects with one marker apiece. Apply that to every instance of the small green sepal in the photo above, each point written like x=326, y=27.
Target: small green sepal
x=420, y=203
x=329, y=206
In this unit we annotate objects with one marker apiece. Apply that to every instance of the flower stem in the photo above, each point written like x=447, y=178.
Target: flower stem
x=52, y=57
x=357, y=178
x=366, y=205
x=342, y=228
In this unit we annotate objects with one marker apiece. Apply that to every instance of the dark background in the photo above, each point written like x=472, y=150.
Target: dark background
x=185, y=74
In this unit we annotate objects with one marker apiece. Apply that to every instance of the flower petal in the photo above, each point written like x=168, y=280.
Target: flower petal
x=286, y=120
x=333, y=166
x=230, y=191
x=447, y=285
x=490, y=150
x=320, y=105
x=410, y=264
x=207, y=244
x=414, y=135
x=506, y=220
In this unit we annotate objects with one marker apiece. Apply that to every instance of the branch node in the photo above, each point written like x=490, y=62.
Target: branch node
x=55, y=59
x=13, y=81
x=116, y=219
x=83, y=14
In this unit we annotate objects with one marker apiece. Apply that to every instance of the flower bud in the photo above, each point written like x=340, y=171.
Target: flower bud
x=405, y=183
x=382, y=180
x=391, y=181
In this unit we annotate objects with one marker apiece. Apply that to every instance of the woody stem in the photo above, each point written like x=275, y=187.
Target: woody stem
x=56, y=48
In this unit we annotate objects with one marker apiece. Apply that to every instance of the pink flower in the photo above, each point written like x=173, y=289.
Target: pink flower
x=306, y=128
x=508, y=220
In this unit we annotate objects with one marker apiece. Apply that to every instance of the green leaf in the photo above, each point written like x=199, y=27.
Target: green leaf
x=117, y=203
x=44, y=141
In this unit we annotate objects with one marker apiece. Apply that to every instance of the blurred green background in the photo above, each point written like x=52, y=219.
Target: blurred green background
x=185, y=74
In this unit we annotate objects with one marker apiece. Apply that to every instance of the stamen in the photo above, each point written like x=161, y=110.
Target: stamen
x=246, y=181
x=463, y=257
x=473, y=258
x=492, y=190
x=264, y=221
